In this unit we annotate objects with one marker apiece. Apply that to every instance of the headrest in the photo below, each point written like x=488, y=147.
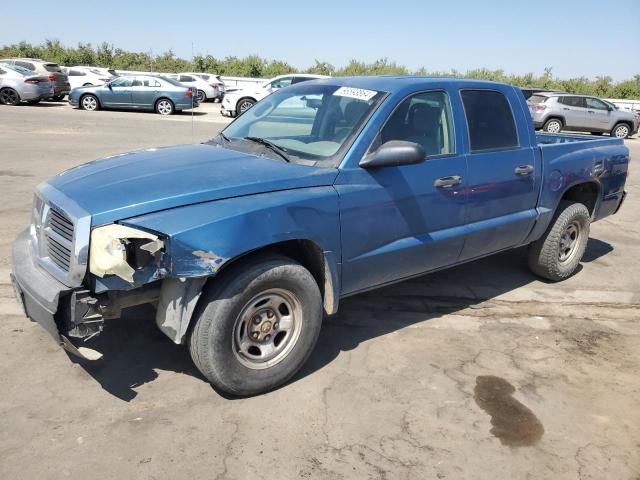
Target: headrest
x=424, y=118
x=354, y=111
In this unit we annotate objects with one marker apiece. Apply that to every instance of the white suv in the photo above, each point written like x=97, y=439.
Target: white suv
x=237, y=101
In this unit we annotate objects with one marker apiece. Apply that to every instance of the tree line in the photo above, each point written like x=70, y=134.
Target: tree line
x=106, y=55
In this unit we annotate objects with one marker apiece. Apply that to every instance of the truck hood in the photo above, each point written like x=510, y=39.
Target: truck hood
x=145, y=181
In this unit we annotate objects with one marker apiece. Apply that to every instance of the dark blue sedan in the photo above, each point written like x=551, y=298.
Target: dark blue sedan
x=137, y=92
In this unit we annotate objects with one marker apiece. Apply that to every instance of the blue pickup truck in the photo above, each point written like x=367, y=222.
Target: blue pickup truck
x=322, y=190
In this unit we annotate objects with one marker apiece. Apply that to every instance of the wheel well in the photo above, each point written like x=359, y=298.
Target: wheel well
x=164, y=98
x=555, y=117
x=585, y=193
x=245, y=98
x=625, y=122
x=306, y=253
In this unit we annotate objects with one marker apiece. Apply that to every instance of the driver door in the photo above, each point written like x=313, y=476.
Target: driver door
x=117, y=93
x=398, y=222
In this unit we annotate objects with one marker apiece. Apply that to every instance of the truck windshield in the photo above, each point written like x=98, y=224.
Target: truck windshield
x=309, y=123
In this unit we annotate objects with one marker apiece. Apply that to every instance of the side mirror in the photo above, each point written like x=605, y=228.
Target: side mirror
x=109, y=86
x=394, y=154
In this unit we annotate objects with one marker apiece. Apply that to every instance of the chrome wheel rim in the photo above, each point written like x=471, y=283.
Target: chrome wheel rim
x=201, y=96
x=8, y=96
x=267, y=328
x=622, y=131
x=244, y=106
x=164, y=107
x=569, y=241
x=553, y=127
x=89, y=103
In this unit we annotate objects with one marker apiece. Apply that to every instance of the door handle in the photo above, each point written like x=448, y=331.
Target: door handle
x=447, y=182
x=523, y=170
x=565, y=108
x=591, y=111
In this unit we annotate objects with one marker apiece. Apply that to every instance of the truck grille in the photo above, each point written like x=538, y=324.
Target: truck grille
x=59, y=238
x=60, y=235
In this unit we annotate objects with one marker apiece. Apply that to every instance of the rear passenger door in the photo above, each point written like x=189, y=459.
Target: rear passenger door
x=574, y=112
x=502, y=167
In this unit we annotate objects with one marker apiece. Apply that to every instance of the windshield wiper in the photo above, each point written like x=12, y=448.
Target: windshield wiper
x=271, y=146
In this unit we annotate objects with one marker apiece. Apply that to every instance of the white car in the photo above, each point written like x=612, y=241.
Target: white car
x=83, y=75
x=213, y=80
x=206, y=90
x=237, y=101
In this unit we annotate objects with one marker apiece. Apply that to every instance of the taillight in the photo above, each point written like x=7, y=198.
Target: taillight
x=52, y=78
x=538, y=107
x=32, y=81
x=188, y=93
x=214, y=85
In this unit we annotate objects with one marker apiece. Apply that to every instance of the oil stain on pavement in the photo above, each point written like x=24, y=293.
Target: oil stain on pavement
x=513, y=423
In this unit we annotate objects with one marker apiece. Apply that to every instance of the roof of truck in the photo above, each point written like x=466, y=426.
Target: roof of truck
x=392, y=83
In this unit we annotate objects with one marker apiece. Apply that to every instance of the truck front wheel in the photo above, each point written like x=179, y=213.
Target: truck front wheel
x=256, y=325
x=556, y=255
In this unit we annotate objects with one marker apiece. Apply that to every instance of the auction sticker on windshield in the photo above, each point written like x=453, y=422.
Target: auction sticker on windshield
x=359, y=93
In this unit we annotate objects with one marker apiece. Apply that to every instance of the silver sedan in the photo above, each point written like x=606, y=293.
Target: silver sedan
x=19, y=84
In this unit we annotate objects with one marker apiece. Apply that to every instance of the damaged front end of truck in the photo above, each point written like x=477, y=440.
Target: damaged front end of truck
x=71, y=278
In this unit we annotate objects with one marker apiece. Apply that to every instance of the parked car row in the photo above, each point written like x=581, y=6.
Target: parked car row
x=554, y=112
x=91, y=88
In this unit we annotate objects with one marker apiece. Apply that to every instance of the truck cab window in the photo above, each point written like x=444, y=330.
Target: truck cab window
x=424, y=119
x=489, y=120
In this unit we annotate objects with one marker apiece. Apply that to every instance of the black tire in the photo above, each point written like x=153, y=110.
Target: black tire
x=621, y=130
x=89, y=102
x=8, y=96
x=553, y=125
x=243, y=105
x=548, y=256
x=219, y=317
x=164, y=106
x=202, y=97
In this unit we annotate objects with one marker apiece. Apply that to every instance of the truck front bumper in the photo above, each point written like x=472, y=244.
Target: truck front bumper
x=43, y=298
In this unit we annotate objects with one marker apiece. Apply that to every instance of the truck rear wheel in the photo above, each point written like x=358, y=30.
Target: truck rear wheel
x=256, y=325
x=556, y=255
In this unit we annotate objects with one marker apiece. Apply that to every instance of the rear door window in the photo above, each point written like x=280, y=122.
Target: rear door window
x=187, y=78
x=51, y=67
x=577, y=102
x=489, y=119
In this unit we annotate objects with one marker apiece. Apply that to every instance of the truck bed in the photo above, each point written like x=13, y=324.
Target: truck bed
x=572, y=159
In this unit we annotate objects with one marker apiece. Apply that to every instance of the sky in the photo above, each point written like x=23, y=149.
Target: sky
x=577, y=38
